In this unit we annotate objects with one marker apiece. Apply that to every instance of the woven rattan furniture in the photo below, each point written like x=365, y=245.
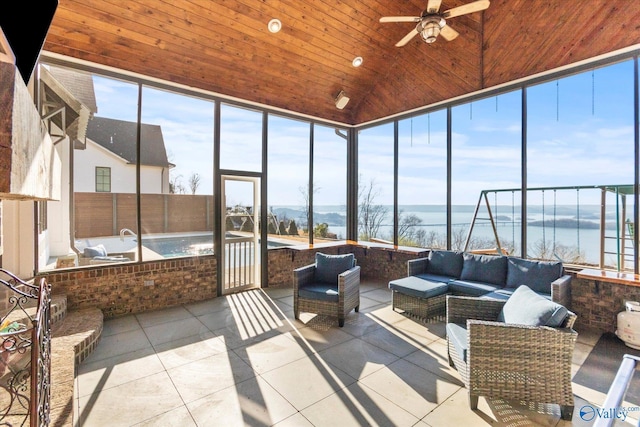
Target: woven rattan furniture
x=426, y=301
x=336, y=300
x=512, y=362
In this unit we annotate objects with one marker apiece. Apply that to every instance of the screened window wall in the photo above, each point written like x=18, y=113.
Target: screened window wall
x=329, y=184
x=376, y=173
x=578, y=172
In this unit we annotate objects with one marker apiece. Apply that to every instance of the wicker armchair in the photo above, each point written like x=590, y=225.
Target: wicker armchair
x=512, y=362
x=312, y=293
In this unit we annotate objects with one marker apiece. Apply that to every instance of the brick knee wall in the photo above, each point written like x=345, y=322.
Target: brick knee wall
x=121, y=289
x=598, y=303
x=377, y=263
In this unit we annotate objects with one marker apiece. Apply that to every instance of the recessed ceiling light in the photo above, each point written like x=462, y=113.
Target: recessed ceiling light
x=274, y=25
x=357, y=61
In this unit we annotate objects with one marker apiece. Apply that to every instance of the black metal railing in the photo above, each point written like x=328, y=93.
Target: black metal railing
x=25, y=351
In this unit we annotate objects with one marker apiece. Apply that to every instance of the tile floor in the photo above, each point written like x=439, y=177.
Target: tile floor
x=244, y=360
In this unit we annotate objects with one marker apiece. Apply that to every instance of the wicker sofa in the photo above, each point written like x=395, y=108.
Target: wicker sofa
x=429, y=280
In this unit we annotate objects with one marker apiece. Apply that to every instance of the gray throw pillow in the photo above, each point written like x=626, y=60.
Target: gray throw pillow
x=329, y=266
x=537, y=275
x=525, y=307
x=485, y=268
x=445, y=263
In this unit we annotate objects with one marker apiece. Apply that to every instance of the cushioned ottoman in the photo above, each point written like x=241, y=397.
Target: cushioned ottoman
x=420, y=298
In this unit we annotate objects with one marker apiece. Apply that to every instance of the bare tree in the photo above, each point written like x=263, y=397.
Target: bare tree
x=370, y=214
x=304, y=191
x=194, y=182
x=176, y=186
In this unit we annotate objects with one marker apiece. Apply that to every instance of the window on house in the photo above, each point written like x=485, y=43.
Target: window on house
x=103, y=179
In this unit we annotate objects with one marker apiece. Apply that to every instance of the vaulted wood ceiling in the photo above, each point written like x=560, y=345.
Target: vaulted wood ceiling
x=224, y=46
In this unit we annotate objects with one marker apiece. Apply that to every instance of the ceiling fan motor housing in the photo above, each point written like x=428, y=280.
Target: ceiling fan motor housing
x=429, y=27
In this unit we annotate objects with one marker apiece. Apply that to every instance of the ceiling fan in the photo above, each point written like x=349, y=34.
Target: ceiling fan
x=432, y=22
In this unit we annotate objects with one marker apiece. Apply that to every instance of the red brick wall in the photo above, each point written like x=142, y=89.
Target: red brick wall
x=121, y=289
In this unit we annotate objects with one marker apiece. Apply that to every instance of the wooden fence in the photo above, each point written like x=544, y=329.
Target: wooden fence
x=105, y=214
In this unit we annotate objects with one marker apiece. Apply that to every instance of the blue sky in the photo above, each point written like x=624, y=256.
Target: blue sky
x=580, y=132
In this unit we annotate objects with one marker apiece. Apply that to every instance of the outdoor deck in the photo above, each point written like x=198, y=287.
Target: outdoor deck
x=244, y=360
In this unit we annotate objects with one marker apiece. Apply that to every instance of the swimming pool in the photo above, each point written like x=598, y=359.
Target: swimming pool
x=188, y=245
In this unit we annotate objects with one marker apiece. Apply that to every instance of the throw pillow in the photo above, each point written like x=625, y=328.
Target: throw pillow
x=537, y=275
x=525, y=307
x=329, y=266
x=485, y=268
x=445, y=263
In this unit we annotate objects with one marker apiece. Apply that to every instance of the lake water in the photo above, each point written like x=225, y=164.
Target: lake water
x=582, y=235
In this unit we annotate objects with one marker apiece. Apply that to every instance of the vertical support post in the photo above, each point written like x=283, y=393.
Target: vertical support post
x=449, y=168
x=352, y=184
x=264, y=208
x=396, y=214
x=636, y=182
x=523, y=177
x=603, y=213
x=310, y=191
x=138, y=184
x=217, y=200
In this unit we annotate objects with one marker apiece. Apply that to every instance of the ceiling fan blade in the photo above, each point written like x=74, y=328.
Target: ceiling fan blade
x=406, y=39
x=400, y=19
x=448, y=33
x=476, y=6
x=433, y=6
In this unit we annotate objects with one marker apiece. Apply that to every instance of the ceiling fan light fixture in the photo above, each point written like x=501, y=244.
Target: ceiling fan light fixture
x=274, y=25
x=429, y=29
x=357, y=61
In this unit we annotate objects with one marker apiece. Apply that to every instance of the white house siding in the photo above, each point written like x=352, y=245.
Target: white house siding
x=153, y=179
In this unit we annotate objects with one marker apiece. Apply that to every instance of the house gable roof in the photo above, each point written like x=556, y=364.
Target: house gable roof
x=119, y=137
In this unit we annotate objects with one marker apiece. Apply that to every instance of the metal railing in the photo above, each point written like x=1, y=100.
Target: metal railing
x=240, y=269
x=611, y=408
x=25, y=352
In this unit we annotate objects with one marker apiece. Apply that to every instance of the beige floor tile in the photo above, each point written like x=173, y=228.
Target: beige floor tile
x=250, y=403
x=130, y=403
x=167, y=315
x=588, y=336
x=357, y=357
x=434, y=359
x=307, y=381
x=386, y=315
x=412, y=388
x=167, y=332
x=119, y=325
x=179, y=417
x=296, y=420
x=320, y=338
x=208, y=306
x=394, y=341
x=381, y=295
x=278, y=293
x=368, y=304
x=189, y=349
x=580, y=353
x=206, y=376
x=118, y=344
x=107, y=373
x=427, y=331
x=358, y=324
x=357, y=405
x=455, y=411
x=272, y=353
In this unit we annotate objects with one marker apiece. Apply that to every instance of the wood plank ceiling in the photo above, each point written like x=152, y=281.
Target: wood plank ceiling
x=224, y=46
